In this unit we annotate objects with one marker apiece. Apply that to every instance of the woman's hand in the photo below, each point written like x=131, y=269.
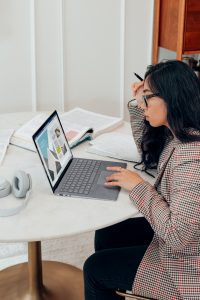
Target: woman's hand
x=123, y=178
x=137, y=87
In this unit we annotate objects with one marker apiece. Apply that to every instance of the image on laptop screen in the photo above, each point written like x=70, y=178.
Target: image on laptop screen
x=53, y=149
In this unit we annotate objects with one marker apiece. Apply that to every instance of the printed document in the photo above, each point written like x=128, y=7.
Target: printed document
x=115, y=145
x=5, y=135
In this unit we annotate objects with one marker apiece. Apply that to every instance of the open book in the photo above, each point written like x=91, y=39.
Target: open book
x=78, y=124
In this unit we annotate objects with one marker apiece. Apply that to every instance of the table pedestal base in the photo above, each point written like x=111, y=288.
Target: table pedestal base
x=60, y=282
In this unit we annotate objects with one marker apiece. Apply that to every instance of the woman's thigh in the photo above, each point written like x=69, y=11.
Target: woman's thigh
x=132, y=232
x=108, y=270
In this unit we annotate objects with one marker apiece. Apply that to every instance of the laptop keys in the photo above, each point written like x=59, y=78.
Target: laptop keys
x=80, y=178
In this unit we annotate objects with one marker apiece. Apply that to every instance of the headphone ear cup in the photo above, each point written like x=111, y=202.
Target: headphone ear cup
x=21, y=184
x=5, y=187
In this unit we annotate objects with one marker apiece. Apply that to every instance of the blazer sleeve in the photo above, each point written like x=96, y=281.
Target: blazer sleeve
x=176, y=223
x=137, y=125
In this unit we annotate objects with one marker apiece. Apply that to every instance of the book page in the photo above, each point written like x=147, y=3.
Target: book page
x=5, y=135
x=28, y=129
x=116, y=145
x=74, y=132
x=98, y=122
x=23, y=136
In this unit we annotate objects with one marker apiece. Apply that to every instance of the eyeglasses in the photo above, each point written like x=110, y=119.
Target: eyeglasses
x=144, y=98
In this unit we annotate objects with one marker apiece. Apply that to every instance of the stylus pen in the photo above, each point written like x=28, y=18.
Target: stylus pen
x=138, y=77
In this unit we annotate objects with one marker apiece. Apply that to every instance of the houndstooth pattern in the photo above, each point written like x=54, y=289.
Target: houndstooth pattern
x=170, y=269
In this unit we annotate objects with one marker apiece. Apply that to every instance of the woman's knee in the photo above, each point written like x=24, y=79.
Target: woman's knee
x=109, y=237
x=92, y=267
x=99, y=240
x=95, y=266
x=88, y=266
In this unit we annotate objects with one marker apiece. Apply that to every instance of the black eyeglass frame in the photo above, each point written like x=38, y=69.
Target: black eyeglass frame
x=147, y=97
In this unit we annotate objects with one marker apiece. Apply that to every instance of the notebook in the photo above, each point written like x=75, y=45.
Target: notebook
x=67, y=175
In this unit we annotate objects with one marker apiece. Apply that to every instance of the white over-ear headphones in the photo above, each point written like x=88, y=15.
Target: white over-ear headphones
x=21, y=188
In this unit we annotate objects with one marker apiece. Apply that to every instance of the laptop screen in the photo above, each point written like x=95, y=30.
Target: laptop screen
x=53, y=148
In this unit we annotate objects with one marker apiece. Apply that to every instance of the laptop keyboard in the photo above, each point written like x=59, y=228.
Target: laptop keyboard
x=80, y=177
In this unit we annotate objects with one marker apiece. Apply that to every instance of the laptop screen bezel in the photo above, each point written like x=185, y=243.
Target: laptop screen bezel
x=35, y=135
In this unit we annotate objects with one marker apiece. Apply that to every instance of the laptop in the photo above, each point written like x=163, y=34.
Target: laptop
x=67, y=175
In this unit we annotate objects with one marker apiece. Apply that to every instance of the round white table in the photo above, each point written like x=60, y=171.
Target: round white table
x=47, y=217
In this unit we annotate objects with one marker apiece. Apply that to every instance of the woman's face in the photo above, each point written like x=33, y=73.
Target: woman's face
x=156, y=111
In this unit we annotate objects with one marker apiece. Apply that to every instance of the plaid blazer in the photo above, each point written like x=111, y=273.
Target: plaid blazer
x=170, y=268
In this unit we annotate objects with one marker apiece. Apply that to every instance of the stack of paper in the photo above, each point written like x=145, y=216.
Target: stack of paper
x=5, y=135
x=115, y=145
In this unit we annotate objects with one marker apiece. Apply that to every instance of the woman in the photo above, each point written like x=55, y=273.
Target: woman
x=157, y=256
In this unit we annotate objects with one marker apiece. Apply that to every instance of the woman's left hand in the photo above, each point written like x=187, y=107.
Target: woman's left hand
x=123, y=178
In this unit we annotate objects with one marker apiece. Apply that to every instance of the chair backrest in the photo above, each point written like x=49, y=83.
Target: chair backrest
x=131, y=295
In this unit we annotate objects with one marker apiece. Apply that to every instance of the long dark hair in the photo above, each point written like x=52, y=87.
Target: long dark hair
x=179, y=87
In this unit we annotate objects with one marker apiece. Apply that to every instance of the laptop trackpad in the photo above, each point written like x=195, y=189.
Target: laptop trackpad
x=102, y=178
x=101, y=191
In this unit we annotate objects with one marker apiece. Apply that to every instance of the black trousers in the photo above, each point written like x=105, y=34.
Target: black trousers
x=119, y=250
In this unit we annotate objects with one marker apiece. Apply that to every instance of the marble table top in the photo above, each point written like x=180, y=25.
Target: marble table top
x=47, y=216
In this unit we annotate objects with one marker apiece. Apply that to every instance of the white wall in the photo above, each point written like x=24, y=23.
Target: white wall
x=138, y=42
x=15, y=80
x=57, y=54
x=48, y=45
x=92, y=49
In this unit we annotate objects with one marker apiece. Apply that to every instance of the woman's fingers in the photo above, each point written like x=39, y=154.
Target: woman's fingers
x=123, y=178
x=114, y=176
x=119, y=169
x=113, y=179
x=136, y=86
x=112, y=183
